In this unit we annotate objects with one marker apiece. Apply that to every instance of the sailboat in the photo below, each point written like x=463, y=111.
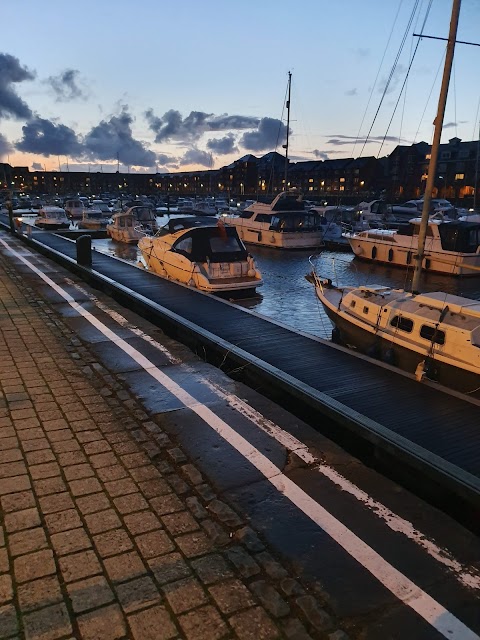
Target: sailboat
x=433, y=335
x=285, y=223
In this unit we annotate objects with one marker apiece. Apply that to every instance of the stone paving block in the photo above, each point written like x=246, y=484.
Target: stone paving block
x=70, y=541
x=78, y=471
x=10, y=455
x=17, y=501
x=61, y=437
x=196, y=507
x=39, y=457
x=34, y=565
x=11, y=442
x=65, y=446
x=216, y=532
x=204, y=623
x=192, y=474
x=39, y=593
x=137, y=594
x=102, y=521
x=46, y=470
x=181, y=522
x=101, y=460
x=168, y=503
x=8, y=621
x=142, y=522
x=6, y=589
x=79, y=565
x=270, y=598
x=14, y=485
x=24, y=519
x=153, y=488
x=112, y=542
x=63, y=520
x=231, y=596
x=317, y=616
x=178, y=485
x=294, y=630
x=154, y=543
x=8, y=469
x=92, y=503
x=111, y=472
x=107, y=623
x=211, y=568
x=126, y=566
x=133, y=460
x=184, y=595
x=4, y=562
x=47, y=624
x=152, y=624
x=89, y=594
x=48, y=486
x=27, y=541
x=84, y=487
x=249, y=538
x=271, y=566
x=194, y=544
x=99, y=446
x=121, y=487
x=71, y=458
x=141, y=474
x=169, y=568
x=56, y=502
x=254, y=624
x=89, y=436
x=130, y=503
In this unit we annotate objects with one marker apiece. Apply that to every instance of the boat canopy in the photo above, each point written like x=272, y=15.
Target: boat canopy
x=463, y=237
x=288, y=202
x=212, y=244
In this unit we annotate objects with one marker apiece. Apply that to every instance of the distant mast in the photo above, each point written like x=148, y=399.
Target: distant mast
x=285, y=146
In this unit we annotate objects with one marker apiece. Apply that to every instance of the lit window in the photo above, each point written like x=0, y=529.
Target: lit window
x=459, y=176
x=342, y=188
x=428, y=156
x=342, y=179
x=310, y=180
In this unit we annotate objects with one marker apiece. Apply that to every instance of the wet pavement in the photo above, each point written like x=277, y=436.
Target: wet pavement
x=145, y=494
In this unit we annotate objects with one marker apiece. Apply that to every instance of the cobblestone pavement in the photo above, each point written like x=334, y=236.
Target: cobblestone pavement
x=107, y=531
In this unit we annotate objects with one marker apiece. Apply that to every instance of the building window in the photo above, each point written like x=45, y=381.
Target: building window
x=445, y=155
x=459, y=176
x=342, y=188
x=342, y=179
x=428, y=156
x=310, y=179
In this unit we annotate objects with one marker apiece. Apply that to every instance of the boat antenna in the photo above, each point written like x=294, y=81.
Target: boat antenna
x=285, y=146
x=436, y=144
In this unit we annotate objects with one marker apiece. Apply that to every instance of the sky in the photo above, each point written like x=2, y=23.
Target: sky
x=163, y=86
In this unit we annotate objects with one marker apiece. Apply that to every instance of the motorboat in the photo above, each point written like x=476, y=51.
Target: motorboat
x=203, y=253
x=75, y=209
x=452, y=246
x=52, y=218
x=131, y=225
x=285, y=223
x=93, y=219
x=203, y=208
x=433, y=334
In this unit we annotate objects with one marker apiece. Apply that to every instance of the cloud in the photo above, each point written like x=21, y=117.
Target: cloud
x=36, y=166
x=68, y=86
x=340, y=140
x=163, y=159
x=270, y=133
x=322, y=155
x=171, y=126
x=224, y=145
x=48, y=138
x=5, y=147
x=449, y=125
x=361, y=52
x=11, y=72
x=112, y=139
x=351, y=92
x=389, y=84
x=197, y=156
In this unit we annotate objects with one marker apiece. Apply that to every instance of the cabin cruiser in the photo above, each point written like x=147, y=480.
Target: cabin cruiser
x=203, y=208
x=52, y=218
x=452, y=247
x=75, y=209
x=93, y=219
x=284, y=224
x=433, y=334
x=131, y=225
x=202, y=253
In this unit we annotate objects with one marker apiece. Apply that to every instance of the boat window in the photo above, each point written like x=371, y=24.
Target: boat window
x=432, y=334
x=404, y=324
x=365, y=309
x=227, y=244
x=352, y=304
x=184, y=246
x=263, y=217
x=246, y=214
x=129, y=222
x=417, y=231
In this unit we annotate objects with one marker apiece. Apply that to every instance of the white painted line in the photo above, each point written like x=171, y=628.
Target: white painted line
x=402, y=587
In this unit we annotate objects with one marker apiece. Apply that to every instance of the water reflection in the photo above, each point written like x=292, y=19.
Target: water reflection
x=289, y=298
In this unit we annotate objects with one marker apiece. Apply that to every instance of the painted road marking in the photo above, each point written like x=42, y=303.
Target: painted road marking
x=397, y=583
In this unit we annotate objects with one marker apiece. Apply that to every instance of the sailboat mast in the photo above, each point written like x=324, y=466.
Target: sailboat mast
x=435, y=144
x=288, y=128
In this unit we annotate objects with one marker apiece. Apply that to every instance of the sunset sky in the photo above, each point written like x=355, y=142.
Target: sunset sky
x=181, y=86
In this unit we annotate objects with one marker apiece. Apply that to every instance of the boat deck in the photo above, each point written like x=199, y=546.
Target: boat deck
x=411, y=429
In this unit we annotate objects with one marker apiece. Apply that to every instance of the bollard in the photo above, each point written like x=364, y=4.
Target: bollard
x=84, y=251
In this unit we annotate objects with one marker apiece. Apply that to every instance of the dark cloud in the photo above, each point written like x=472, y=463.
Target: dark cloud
x=68, y=86
x=36, y=166
x=197, y=156
x=165, y=160
x=112, y=139
x=351, y=92
x=340, y=140
x=270, y=133
x=449, y=125
x=224, y=145
x=11, y=72
x=48, y=138
x=5, y=147
x=321, y=155
x=171, y=126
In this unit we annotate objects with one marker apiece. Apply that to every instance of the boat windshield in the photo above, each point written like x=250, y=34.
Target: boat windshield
x=214, y=244
x=296, y=222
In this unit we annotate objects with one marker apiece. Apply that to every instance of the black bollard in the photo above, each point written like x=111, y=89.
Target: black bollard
x=84, y=251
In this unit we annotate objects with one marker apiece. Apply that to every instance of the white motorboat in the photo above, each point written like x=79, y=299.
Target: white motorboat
x=452, y=246
x=52, y=218
x=75, y=209
x=434, y=335
x=202, y=208
x=131, y=225
x=203, y=253
x=283, y=224
x=93, y=219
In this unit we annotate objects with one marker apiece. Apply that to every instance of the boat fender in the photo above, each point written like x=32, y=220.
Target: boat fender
x=251, y=273
x=191, y=282
x=373, y=351
x=430, y=369
x=336, y=337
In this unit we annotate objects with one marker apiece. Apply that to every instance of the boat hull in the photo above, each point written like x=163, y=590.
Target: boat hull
x=277, y=240
x=382, y=348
